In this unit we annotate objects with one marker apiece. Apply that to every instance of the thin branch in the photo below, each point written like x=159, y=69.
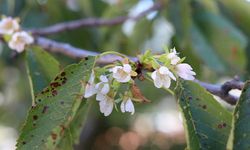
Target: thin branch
x=74, y=52
x=57, y=47
x=92, y=22
x=223, y=90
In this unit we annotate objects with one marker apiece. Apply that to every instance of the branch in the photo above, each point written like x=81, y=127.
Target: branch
x=223, y=90
x=92, y=22
x=57, y=47
x=74, y=52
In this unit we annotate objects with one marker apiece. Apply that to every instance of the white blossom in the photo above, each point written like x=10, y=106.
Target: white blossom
x=90, y=89
x=8, y=25
x=185, y=71
x=123, y=73
x=162, y=77
x=103, y=86
x=106, y=105
x=127, y=106
x=19, y=40
x=173, y=57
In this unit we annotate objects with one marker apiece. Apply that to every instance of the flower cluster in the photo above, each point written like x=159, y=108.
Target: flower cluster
x=105, y=94
x=106, y=82
x=169, y=66
x=11, y=32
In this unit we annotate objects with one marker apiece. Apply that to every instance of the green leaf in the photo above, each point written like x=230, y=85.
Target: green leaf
x=41, y=67
x=207, y=123
x=240, y=133
x=56, y=108
x=72, y=134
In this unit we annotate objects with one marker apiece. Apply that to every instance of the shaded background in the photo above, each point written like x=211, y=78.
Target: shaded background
x=212, y=34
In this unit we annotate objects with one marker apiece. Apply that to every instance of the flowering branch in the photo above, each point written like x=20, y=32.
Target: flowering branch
x=219, y=90
x=92, y=22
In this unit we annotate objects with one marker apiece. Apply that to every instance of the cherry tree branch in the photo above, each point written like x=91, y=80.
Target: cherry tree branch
x=220, y=90
x=92, y=22
x=74, y=52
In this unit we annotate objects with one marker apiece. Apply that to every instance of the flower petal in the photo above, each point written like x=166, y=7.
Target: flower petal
x=163, y=70
x=90, y=90
x=158, y=82
x=103, y=78
x=106, y=107
x=166, y=82
x=105, y=88
x=100, y=97
x=129, y=106
x=127, y=68
x=153, y=75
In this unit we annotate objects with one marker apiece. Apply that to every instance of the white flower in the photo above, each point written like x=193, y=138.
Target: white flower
x=19, y=40
x=8, y=25
x=127, y=106
x=90, y=87
x=162, y=77
x=103, y=86
x=106, y=105
x=123, y=73
x=173, y=57
x=185, y=71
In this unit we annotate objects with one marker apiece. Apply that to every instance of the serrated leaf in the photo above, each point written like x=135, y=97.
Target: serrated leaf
x=240, y=133
x=207, y=123
x=55, y=108
x=41, y=67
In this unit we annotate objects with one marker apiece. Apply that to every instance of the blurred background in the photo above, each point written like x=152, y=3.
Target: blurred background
x=212, y=34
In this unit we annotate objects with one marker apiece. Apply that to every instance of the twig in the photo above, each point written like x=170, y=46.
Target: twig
x=219, y=90
x=223, y=90
x=73, y=52
x=92, y=22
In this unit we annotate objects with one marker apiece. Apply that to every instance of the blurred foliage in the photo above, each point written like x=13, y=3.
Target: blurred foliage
x=213, y=35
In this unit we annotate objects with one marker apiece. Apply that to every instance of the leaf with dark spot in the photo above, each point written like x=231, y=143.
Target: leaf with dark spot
x=207, y=123
x=42, y=68
x=50, y=121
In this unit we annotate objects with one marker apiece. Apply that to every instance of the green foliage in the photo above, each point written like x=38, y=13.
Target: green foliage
x=42, y=68
x=56, y=106
x=207, y=123
x=240, y=133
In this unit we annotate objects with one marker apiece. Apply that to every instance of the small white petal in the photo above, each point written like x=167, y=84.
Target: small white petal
x=171, y=75
x=163, y=70
x=105, y=89
x=124, y=79
x=127, y=68
x=104, y=78
x=127, y=106
x=158, y=82
x=185, y=71
x=153, y=75
x=89, y=91
x=101, y=97
x=106, y=107
x=123, y=106
x=166, y=82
